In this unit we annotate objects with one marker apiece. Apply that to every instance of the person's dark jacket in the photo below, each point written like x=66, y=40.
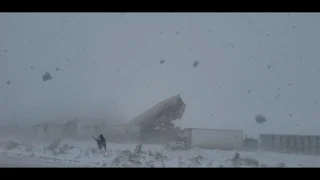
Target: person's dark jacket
x=101, y=139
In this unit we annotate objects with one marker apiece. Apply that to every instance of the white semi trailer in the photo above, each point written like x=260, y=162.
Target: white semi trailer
x=214, y=138
x=155, y=125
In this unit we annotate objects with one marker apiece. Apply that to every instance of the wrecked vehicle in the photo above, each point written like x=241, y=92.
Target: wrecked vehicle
x=156, y=123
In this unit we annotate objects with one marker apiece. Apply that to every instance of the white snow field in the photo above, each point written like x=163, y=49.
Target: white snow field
x=63, y=153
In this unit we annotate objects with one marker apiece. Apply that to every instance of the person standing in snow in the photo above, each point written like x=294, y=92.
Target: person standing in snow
x=101, y=142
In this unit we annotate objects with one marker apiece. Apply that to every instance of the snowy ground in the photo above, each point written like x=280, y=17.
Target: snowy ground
x=14, y=153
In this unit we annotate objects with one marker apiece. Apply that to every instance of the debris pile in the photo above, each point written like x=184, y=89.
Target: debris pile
x=238, y=161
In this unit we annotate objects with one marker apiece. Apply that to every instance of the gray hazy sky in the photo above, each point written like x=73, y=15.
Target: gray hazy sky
x=110, y=62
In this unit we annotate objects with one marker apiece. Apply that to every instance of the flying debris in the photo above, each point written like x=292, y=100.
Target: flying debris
x=162, y=61
x=47, y=76
x=195, y=63
x=260, y=119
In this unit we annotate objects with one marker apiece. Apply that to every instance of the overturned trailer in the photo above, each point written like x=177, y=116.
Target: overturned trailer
x=156, y=123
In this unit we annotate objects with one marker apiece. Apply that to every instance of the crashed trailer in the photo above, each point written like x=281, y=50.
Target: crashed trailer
x=155, y=124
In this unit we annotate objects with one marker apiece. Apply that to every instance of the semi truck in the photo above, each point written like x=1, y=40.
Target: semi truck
x=155, y=124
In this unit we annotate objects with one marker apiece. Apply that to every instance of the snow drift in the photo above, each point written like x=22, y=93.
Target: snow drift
x=85, y=154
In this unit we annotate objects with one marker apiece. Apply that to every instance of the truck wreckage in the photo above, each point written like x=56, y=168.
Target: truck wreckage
x=156, y=125
x=153, y=126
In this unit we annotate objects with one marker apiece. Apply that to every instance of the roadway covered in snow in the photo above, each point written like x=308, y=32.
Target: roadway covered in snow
x=85, y=154
x=17, y=162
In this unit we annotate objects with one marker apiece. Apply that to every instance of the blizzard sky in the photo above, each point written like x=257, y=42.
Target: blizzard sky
x=110, y=63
